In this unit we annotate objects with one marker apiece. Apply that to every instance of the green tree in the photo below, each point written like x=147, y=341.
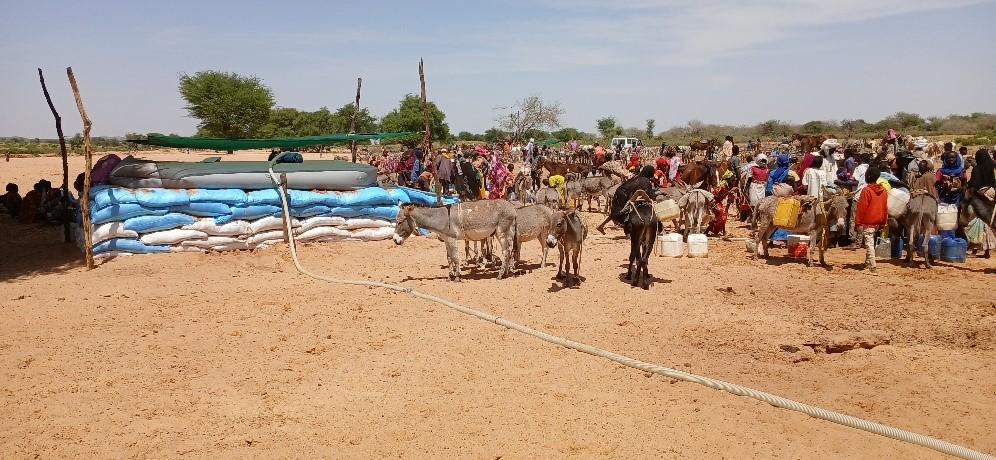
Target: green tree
x=566, y=134
x=607, y=127
x=816, y=127
x=651, y=124
x=365, y=123
x=494, y=135
x=468, y=136
x=227, y=104
x=408, y=117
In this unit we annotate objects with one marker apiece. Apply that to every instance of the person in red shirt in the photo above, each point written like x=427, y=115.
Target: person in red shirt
x=872, y=213
x=599, y=154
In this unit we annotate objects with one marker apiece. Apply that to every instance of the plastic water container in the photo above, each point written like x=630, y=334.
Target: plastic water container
x=898, y=198
x=797, y=239
x=947, y=234
x=883, y=250
x=698, y=245
x=897, y=249
x=934, y=246
x=947, y=217
x=954, y=250
x=799, y=251
x=671, y=245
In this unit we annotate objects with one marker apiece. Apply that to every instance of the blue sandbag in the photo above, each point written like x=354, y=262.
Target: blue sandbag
x=128, y=245
x=382, y=212
x=332, y=199
x=147, y=224
x=266, y=196
x=203, y=209
x=305, y=198
x=309, y=211
x=228, y=196
x=426, y=199
x=248, y=213
x=398, y=195
x=123, y=211
x=161, y=197
x=369, y=196
x=102, y=196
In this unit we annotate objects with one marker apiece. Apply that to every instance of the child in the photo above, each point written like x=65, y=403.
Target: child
x=872, y=213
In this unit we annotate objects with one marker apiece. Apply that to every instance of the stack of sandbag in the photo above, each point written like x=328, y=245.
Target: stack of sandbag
x=154, y=220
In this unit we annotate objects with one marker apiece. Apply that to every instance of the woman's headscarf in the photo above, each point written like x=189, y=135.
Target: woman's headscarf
x=957, y=169
x=983, y=174
x=759, y=158
x=781, y=168
x=806, y=162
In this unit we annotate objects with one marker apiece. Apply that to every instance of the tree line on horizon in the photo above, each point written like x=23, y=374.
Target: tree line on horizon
x=229, y=105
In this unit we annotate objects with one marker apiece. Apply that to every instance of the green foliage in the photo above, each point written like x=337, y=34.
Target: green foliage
x=494, y=135
x=607, y=127
x=567, y=134
x=227, y=104
x=408, y=117
x=651, y=124
x=819, y=127
x=469, y=136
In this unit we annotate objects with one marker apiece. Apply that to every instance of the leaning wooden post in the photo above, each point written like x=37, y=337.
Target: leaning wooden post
x=427, y=136
x=352, y=120
x=87, y=153
x=65, y=157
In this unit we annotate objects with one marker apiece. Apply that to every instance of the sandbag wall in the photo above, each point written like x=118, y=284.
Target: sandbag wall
x=156, y=220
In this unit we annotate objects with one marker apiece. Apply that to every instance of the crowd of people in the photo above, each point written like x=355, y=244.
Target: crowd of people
x=868, y=178
x=43, y=204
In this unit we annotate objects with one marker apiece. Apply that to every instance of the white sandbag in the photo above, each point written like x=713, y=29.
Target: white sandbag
x=324, y=232
x=209, y=226
x=172, y=236
x=111, y=255
x=374, y=234
x=270, y=223
x=272, y=235
x=319, y=221
x=359, y=222
x=210, y=242
x=186, y=249
x=237, y=246
x=104, y=232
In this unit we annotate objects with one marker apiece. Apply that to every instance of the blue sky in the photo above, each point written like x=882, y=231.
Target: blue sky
x=718, y=61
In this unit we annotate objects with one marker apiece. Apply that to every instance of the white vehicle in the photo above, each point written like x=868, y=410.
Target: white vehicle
x=622, y=143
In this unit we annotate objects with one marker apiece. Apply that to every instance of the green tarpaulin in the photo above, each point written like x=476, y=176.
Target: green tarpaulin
x=552, y=142
x=208, y=143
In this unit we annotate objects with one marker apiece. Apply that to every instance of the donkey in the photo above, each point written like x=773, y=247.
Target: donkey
x=570, y=232
x=597, y=187
x=548, y=196
x=695, y=205
x=534, y=222
x=641, y=222
x=815, y=220
x=469, y=221
x=920, y=216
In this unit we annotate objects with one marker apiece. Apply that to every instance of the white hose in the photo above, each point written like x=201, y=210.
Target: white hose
x=777, y=401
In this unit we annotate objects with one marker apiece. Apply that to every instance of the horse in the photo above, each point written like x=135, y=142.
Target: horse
x=468, y=221
x=641, y=223
x=814, y=220
x=570, y=232
x=705, y=174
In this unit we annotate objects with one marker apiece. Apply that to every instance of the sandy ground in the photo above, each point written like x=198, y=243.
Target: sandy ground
x=236, y=355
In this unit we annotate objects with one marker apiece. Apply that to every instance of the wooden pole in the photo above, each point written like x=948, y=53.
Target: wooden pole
x=427, y=136
x=88, y=154
x=65, y=157
x=352, y=121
